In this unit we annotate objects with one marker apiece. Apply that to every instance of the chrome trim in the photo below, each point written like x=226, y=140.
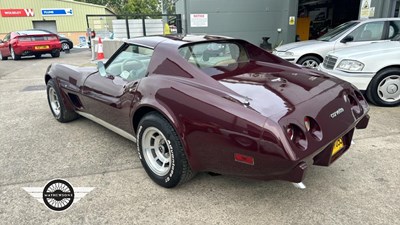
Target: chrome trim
x=108, y=126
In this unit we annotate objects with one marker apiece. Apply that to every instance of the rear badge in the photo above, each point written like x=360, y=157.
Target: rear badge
x=337, y=113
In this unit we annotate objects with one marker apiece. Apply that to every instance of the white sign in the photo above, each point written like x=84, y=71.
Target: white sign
x=198, y=20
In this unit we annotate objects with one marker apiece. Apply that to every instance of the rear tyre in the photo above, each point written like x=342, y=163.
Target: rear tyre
x=309, y=61
x=13, y=55
x=55, y=53
x=161, y=151
x=56, y=104
x=384, y=88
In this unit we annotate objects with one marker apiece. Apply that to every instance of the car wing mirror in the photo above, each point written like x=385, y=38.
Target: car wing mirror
x=347, y=39
x=1, y=41
x=102, y=69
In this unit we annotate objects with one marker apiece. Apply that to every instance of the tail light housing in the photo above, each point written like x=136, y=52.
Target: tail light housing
x=313, y=128
x=297, y=136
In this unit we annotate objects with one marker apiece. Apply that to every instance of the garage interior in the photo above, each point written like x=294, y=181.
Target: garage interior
x=316, y=17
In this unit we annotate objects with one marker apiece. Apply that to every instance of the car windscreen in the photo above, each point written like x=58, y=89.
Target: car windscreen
x=337, y=31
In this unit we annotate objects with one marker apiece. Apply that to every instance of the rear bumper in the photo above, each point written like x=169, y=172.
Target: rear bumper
x=29, y=49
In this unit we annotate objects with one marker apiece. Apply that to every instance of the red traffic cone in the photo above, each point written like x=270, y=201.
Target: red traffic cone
x=100, y=53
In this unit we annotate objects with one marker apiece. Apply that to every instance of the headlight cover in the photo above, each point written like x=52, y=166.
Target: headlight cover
x=283, y=54
x=350, y=65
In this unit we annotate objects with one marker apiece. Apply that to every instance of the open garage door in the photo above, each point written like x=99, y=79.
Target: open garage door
x=45, y=25
x=316, y=17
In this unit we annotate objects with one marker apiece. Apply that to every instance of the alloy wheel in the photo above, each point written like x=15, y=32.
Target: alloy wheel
x=156, y=151
x=389, y=88
x=54, y=102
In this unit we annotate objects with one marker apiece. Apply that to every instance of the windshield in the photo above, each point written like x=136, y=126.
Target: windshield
x=337, y=31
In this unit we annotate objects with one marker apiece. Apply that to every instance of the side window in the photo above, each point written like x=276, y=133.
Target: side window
x=394, y=30
x=7, y=37
x=368, y=32
x=212, y=54
x=132, y=63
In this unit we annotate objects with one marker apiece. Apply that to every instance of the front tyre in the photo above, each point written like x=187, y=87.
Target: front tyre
x=161, y=151
x=56, y=104
x=384, y=88
x=309, y=61
x=3, y=57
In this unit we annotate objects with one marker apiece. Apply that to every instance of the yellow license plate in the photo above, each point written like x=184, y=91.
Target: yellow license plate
x=42, y=47
x=337, y=146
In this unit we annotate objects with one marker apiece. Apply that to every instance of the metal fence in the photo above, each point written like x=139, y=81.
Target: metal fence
x=127, y=26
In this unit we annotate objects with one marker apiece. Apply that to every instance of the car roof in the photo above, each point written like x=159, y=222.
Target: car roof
x=377, y=19
x=32, y=32
x=153, y=41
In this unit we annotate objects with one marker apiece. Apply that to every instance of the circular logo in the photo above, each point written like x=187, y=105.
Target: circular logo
x=58, y=195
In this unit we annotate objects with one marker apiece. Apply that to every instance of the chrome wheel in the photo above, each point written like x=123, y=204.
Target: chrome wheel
x=65, y=46
x=310, y=63
x=389, y=88
x=156, y=151
x=54, y=102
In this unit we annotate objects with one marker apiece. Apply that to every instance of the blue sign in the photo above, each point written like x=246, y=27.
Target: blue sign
x=57, y=12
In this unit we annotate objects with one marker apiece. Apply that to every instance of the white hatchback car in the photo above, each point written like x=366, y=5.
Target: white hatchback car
x=373, y=68
x=359, y=32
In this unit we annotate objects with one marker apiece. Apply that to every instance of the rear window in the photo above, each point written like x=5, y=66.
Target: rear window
x=214, y=54
x=38, y=38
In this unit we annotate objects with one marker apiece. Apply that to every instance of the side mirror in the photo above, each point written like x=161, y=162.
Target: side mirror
x=101, y=68
x=347, y=39
x=1, y=41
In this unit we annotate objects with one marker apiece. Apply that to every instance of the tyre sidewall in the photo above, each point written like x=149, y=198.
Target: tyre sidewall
x=173, y=177
x=373, y=88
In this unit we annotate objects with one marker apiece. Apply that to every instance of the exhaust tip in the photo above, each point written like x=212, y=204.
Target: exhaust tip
x=299, y=185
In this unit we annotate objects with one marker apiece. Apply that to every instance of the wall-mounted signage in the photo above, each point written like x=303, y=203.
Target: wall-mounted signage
x=57, y=12
x=17, y=12
x=198, y=20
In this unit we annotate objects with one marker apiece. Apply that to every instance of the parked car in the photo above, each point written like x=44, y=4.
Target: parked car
x=66, y=43
x=373, y=68
x=26, y=43
x=241, y=112
x=311, y=53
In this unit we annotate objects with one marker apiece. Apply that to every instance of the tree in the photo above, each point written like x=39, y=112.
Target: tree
x=142, y=7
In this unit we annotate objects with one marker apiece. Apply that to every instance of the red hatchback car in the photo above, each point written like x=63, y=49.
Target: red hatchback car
x=28, y=43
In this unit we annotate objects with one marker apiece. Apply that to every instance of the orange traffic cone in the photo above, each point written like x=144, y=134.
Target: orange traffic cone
x=100, y=53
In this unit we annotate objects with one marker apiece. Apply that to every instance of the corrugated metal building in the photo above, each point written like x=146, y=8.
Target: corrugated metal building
x=65, y=17
x=280, y=20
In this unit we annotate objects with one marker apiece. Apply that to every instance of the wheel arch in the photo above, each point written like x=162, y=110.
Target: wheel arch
x=382, y=69
x=311, y=54
x=170, y=117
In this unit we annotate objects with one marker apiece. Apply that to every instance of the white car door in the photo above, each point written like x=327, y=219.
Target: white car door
x=363, y=34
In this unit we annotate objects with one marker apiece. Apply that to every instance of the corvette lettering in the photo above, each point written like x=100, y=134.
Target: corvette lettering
x=337, y=113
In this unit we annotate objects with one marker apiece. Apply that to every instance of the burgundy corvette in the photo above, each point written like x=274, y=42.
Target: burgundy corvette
x=212, y=104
